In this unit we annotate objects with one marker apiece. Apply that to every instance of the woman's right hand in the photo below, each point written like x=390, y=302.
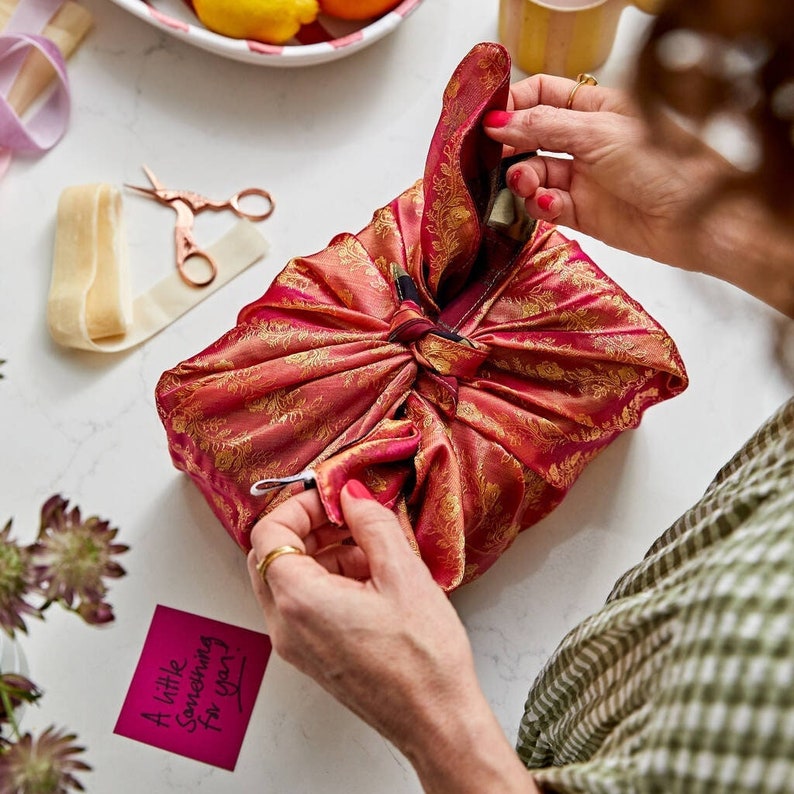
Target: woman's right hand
x=365, y=619
x=616, y=185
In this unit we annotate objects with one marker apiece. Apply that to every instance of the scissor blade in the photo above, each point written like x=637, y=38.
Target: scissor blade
x=152, y=178
x=146, y=191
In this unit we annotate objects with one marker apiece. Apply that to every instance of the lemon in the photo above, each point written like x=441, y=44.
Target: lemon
x=270, y=21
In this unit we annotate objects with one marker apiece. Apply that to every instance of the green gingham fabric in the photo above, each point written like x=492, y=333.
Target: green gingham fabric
x=684, y=681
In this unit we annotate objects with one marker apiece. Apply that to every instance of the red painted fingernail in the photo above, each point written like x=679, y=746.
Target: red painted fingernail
x=358, y=490
x=497, y=118
x=545, y=201
x=514, y=179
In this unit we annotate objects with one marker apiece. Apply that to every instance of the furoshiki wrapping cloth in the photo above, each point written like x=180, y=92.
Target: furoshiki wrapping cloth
x=461, y=361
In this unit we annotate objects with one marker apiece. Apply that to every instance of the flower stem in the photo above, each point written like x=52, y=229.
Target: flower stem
x=8, y=708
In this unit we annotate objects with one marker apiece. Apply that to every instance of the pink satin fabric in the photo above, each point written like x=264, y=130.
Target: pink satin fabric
x=468, y=397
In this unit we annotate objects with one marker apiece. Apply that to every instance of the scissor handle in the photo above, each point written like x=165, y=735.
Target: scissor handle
x=186, y=249
x=235, y=203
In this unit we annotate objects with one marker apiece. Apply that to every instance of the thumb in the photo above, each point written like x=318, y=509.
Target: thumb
x=376, y=531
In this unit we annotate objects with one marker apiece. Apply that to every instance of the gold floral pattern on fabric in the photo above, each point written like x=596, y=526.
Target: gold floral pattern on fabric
x=466, y=376
x=447, y=215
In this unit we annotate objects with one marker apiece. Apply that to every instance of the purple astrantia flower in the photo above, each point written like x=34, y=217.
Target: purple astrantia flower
x=16, y=583
x=45, y=765
x=73, y=557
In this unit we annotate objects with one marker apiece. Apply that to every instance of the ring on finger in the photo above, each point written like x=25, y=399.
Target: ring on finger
x=268, y=559
x=581, y=79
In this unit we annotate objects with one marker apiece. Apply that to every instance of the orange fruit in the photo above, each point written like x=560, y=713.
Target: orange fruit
x=357, y=9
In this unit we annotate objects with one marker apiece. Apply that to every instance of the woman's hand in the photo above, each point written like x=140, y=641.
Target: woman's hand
x=616, y=186
x=370, y=625
x=659, y=194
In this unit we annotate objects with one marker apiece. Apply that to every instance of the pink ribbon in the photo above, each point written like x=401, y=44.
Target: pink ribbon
x=47, y=125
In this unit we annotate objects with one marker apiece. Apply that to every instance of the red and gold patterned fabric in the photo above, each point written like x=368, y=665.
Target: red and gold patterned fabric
x=465, y=369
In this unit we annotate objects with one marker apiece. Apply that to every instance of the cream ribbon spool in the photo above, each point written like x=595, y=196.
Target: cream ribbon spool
x=90, y=305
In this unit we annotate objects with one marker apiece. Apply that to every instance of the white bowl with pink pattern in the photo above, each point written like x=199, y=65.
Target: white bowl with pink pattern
x=324, y=40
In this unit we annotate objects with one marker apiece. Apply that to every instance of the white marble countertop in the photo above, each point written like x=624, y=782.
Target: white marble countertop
x=332, y=142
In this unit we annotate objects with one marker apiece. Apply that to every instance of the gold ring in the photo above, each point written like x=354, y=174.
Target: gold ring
x=267, y=560
x=582, y=79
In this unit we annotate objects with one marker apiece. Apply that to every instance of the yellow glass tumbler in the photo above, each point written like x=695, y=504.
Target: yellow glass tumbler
x=562, y=37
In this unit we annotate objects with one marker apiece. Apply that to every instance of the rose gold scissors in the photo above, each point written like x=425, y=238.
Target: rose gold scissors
x=187, y=205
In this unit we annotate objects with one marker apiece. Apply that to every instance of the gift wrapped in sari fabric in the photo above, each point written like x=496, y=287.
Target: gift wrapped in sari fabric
x=462, y=361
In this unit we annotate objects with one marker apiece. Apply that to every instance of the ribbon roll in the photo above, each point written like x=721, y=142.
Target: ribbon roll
x=38, y=35
x=48, y=124
x=90, y=305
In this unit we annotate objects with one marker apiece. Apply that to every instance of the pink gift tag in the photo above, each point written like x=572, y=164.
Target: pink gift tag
x=194, y=688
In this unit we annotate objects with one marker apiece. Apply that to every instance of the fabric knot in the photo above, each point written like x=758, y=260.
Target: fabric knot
x=443, y=355
x=410, y=323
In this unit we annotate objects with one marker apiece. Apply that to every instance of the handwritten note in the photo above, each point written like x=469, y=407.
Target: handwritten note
x=194, y=688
